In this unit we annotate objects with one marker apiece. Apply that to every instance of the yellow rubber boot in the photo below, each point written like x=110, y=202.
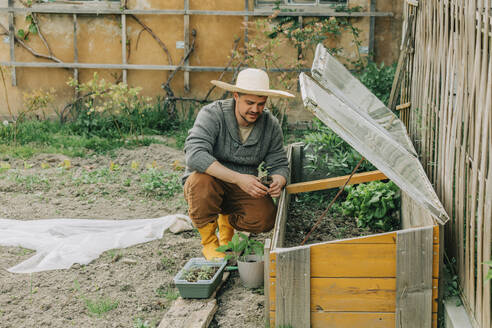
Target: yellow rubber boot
x=226, y=231
x=210, y=241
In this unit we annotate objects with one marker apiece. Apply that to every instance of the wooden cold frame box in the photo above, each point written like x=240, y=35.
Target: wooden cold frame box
x=379, y=281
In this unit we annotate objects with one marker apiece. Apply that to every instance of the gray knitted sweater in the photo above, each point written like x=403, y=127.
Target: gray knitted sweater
x=215, y=136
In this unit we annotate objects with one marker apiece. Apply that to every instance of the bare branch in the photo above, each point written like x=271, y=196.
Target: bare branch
x=41, y=36
x=32, y=51
x=156, y=38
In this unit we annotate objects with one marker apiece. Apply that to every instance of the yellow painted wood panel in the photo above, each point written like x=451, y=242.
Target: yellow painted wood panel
x=335, y=182
x=352, y=320
x=355, y=260
x=350, y=260
x=354, y=294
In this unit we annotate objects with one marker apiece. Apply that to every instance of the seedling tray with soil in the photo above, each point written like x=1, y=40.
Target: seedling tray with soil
x=199, y=278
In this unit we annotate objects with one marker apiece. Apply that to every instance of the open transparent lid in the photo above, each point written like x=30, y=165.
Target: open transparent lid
x=347, y=107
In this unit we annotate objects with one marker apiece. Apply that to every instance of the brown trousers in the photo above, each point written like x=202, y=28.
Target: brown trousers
x=208, y=196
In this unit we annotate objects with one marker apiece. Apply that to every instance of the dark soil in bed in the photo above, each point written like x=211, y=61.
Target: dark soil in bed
x=303, y=214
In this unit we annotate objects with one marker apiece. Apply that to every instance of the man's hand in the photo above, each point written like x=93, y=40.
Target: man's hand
x=277, y=185
x=251, y=185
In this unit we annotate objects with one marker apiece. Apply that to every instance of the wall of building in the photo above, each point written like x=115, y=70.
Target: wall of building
x=99, y=41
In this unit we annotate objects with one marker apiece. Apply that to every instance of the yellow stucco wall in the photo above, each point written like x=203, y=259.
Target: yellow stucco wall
x=99, y=41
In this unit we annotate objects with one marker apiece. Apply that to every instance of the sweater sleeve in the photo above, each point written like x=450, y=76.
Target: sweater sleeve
x=201, y=139
x=276, y=158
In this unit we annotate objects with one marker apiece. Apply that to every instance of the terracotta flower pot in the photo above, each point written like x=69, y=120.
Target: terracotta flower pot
x=251, y=270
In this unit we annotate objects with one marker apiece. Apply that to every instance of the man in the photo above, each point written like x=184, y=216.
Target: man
x=229, y=140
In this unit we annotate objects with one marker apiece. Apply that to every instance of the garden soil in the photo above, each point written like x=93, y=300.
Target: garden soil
x=137, y=281
x=304, y=214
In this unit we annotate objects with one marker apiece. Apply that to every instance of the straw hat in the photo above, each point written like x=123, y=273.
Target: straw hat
x=252, y=81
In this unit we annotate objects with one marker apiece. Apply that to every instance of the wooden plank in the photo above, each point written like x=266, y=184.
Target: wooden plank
x=356, y=295
x=257, y=13
x=123, y=47
x=355, y=260
x=382, y=238
x=75, y=53
x=372, y=28
x=414, y=278
x=335, y=182
x=139, y=67
x=412, y=214
x=293, y=288
x=403, y=106
x=350, y=260
x=296, y=166
x=246, y=18
x=401, y=61
x=353, y=319
x=266, y=278
x=186, y=46
x=283, y=204
x=192, y=313
x=414, y=3
x=12, y=42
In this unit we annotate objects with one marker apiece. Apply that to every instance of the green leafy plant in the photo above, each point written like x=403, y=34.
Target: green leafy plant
x=241, y=243
x=451, y=281
x=378, y=79
x=375, y=205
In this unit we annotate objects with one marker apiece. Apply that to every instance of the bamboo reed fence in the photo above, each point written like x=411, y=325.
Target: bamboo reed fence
x=448, y=83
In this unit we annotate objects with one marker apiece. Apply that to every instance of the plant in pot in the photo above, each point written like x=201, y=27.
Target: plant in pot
x=250, y=263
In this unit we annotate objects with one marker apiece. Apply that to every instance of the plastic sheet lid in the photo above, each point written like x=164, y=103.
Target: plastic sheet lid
x=347, y=107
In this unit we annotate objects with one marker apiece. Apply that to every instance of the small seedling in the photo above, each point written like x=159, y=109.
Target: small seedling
x=166, y=264
x=204, y=272
x=263, y=174
x=140, y=323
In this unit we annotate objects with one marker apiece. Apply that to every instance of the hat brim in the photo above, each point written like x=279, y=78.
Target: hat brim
x=258, y=92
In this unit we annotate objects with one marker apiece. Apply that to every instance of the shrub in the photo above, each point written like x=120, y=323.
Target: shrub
x=378, y=79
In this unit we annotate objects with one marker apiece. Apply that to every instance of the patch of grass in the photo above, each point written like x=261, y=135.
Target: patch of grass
x=100, y=305
x=88, y=134
x=32, y=182
x=169, y=293
x=100, y=175
x=161, y=185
